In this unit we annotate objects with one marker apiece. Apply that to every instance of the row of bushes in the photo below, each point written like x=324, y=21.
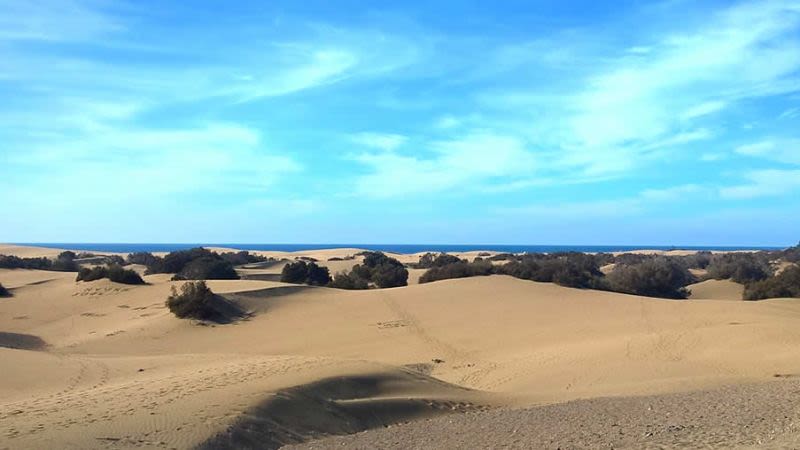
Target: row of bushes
x=377, y=269
x=654, y=277
x=113, y=272
x=65, y=262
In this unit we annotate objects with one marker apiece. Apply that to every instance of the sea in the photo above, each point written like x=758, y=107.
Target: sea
x=392, y=248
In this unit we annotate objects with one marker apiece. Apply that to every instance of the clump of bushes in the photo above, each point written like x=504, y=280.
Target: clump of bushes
x=655, y=277
x=785, y=284
x=4, y=292
x=242, y=257
x=742, y=268
x=113, y=272
x=301, y=272
x=343, y=280
x=377, y=269
x=207, y=268
x=143, y=258
x=194, y=301
x=459, y=269
x=571, y=269
x=429, y=260
x=193, y=264
x=503, y=257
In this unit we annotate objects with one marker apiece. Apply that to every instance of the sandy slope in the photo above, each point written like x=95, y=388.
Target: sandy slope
x=716, y=290
x=105, y=365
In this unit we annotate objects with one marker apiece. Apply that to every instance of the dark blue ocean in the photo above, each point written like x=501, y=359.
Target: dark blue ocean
x=393, y=248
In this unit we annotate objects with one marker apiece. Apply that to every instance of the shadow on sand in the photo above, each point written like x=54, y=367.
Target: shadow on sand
x=341, y=405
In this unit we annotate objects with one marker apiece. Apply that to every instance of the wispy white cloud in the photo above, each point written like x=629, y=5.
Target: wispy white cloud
x=381, y=141
x=781, y=150
x=471, y=162
x=764, y=183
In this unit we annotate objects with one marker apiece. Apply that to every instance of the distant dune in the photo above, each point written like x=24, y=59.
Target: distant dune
x=100, y=364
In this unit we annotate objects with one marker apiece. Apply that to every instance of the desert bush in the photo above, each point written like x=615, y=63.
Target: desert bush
x=460, y=269
x=118, y=274
x=15, y=262
x=113, y=272
x=503, y=257
x=740, y=267
x=193, y=264
x=792, y=254
x=67, y=255
x=655, y=277
x=343, y=280
x=92, y=273
x=785, y=284
x=335, y=258
x=429, y=260
x=307, y=259
x=64, y=262
x=4, y=292
x=378, y=269
x=301, y=272
x=242, y=257
x=207, y=268
x=382, y=270
x=572, y=269
x=631, y=259
x=699, y=260
x=143, y=258
x=115, y=260
x=194, y=301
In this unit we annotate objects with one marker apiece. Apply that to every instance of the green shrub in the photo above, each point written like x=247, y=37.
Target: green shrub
x=4, y=292
x=785, y=284
x=194, y=301
x=656, y=277
x=193, y=264
x=207, y=268
x=301, y=272
x=460, y=269
x=570, y=269
x=126, y=276
x=15, y=262
x=243, y=257
x=740, y=267
x=377, y=268
x=344, y=280
x=113, y=272
x=429, y=260
x=144, y=258
x=92, y=273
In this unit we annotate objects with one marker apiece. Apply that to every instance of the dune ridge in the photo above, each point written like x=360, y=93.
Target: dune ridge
x=107, y=366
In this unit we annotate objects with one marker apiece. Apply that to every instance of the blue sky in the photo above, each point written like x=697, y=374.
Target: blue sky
x=531, y=122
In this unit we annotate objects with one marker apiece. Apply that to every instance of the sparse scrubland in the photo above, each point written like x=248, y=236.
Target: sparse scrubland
x=113, y=272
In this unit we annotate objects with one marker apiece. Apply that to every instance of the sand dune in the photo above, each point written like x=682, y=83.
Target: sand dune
x=100, y=364
x=716, y=290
